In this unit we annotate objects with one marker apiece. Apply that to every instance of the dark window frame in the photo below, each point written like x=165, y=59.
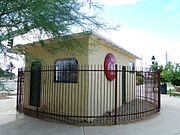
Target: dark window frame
x=66, y=70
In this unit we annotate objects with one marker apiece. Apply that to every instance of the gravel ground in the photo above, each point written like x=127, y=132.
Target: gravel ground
x=132, y=111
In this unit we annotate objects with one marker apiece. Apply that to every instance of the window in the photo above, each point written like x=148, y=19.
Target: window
x=131, y=66
x=66, y=70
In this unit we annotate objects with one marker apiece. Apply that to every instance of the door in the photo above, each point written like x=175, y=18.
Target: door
x=123, y=85
x=35, y=84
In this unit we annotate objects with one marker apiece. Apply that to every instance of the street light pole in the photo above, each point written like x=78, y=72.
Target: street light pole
x=153, y=59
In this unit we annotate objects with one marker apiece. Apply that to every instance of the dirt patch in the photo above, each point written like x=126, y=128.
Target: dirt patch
x=4, y=96
x=137, y=109
x=132, y=111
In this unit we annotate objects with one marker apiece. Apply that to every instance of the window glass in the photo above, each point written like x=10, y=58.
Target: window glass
x=66, y=70
x=131, y=66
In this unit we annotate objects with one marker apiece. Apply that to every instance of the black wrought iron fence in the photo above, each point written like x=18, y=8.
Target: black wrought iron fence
x=20, y=90
x=89, y=95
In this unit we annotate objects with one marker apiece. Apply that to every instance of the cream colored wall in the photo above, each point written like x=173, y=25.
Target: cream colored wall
x=97, y=56
x=48, y=58
x=58, y=93
x=85, y=86
x=106, y=87
x=27, y=82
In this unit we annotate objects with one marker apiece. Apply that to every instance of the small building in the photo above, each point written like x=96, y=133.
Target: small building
x=77, y=83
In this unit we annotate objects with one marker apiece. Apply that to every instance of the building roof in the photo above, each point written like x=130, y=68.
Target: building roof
x=115, y=46
x=92, y=34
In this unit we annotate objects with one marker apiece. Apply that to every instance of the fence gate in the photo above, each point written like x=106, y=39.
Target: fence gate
x=20, y=90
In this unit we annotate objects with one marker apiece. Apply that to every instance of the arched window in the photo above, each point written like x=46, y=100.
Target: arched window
x=66, y=70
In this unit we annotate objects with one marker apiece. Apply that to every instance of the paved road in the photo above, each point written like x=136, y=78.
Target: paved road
x=167, y=122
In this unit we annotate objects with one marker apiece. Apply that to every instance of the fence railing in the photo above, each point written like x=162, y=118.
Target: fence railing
x=85, y=96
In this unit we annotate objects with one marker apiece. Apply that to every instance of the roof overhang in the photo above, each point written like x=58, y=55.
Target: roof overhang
x=91, y=34
x=115, y=46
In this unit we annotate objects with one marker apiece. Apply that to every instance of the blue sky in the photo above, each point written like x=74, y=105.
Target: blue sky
x=148, y=27
x=156, y=16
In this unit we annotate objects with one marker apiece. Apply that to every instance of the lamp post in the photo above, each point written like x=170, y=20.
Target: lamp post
x=153, y=59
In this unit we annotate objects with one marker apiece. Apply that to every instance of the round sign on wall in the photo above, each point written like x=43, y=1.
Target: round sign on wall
x=109, y=66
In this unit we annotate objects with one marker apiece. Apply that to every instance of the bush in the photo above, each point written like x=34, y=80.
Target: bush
x=139, y=78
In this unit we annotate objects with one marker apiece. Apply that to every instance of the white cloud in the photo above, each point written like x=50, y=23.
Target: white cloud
x=118, y=2
x=145, y=45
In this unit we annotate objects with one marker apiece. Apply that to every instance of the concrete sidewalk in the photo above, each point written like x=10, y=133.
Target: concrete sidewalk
x=167, y=122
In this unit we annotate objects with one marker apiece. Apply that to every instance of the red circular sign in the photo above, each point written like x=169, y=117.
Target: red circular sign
x=109, y=66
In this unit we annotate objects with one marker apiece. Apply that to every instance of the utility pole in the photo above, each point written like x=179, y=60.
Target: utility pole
x=166, y=58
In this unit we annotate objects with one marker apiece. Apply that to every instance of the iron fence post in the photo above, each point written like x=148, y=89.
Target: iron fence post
x=37, y=99
x=20, y=92
x=115, y=116
x=17, y=91
x=123, y=85
x=159, y=94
